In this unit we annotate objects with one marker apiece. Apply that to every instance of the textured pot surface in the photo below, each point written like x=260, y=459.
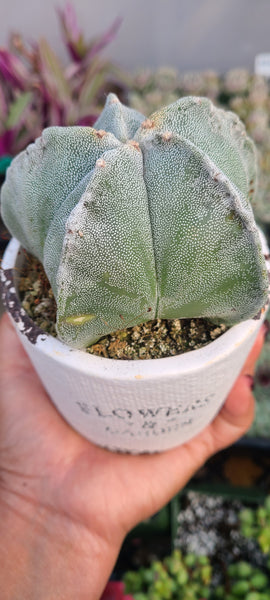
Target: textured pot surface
x=134, y=406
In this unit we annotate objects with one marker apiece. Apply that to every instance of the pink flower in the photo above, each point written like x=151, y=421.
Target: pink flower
x=6, y=142
x=72, y=34
x=13, y=70
x=74, y=38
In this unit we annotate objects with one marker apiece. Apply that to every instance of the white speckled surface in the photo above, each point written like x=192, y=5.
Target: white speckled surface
x=129, y=230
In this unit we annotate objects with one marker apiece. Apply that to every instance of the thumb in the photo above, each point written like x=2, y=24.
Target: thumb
x=237, y=414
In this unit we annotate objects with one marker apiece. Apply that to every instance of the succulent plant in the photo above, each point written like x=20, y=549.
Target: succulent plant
x=255, y=523
x=190, y=577
x=137, y=219
x=177, y=576
x=194, y=575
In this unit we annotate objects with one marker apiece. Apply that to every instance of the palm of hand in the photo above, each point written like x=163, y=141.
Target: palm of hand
x=45, y=463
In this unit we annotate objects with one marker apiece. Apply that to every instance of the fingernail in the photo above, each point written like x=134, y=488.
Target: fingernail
x=266, y=328
x=250, y=380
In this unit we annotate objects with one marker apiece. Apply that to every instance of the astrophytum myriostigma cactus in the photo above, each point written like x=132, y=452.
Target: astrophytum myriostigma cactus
x=137, y=219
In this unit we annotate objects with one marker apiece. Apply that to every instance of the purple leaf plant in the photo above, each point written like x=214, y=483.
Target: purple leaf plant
x=37, y=91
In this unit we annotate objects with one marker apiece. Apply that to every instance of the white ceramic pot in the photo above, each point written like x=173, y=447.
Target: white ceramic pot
x=130, y=406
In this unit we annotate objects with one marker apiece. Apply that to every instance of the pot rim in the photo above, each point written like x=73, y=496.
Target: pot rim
x=109, y=367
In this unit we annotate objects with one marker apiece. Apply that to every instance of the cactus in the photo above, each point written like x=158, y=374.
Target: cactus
x=137, y=219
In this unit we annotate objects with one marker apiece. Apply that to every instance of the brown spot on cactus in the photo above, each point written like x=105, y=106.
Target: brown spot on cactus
x=113, y=99
x=101, y=133
x=167, y=136
x=100, y=163
x=134, y=144
x=148, y=124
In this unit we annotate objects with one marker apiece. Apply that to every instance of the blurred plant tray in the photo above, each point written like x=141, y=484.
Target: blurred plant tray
x=250, y=442
x=241, y=471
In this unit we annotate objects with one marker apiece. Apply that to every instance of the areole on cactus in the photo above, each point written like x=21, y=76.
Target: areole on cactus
x=141, y=218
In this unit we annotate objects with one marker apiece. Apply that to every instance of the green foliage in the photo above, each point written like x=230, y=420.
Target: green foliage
x=260, y=425
x=140, y=219
x=244, y=581
x=177, y=577
x=190, y=577
x=255, y=523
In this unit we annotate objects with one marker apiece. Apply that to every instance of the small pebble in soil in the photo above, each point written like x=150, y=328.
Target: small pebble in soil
x=154, y=339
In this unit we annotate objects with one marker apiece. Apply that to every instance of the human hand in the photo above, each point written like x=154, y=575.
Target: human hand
x=67, y=504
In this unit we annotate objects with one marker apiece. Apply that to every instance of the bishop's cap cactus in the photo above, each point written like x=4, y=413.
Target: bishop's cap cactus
x=141, y=218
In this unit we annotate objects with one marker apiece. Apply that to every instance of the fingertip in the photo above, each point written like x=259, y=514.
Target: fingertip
x=236, y=415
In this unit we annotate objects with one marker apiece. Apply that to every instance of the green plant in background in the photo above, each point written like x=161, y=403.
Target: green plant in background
x=138, y=219
x=255, y=523
x=190, y=577
x=37, y=91
x=260, y=426
x=243, y=581
x=174, y=578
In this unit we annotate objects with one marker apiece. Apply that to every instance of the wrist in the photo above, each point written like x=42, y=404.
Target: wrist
x=45, y=555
